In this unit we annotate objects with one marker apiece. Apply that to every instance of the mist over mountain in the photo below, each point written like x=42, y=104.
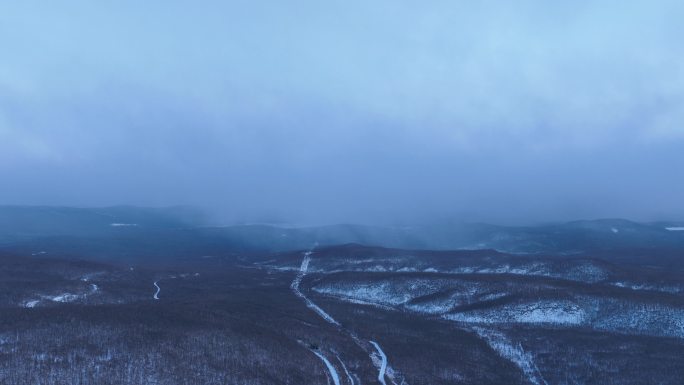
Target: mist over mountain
x=134, y=234
x=376, y=113
x=341, y=192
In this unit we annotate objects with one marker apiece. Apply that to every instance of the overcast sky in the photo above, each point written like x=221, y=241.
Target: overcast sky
x=347, y=111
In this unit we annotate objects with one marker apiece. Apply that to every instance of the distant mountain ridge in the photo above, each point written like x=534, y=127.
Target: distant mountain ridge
x=40, y=221
x=126, y=232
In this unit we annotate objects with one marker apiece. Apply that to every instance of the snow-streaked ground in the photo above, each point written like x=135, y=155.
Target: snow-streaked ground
x=383, y=293
x=512, y=352
x=434, y=297
x=541, y=312
x=642, y=286
x=62, y=297
x=579, y=270
x=645, y=319
x=66, y=297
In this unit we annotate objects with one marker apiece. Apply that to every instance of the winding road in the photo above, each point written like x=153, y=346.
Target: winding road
x=383, y=364
x=309, y=303
x=156, y=295
x=349, y=377
x=331, y=368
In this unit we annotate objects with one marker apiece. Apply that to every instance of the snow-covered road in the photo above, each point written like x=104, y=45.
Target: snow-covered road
x=309, y=303
x=383, y=363
x=346, y=371
x=156, y=295
x=331, y=368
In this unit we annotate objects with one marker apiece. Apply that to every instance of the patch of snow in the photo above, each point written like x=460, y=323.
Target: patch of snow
x=366, y=303
x=642, y=286
x=413, y=294
x=538, y=269
x=40, y=357
x=39, y=253
x=124, y=224
x=584, y=271
x=641, y=318
x=382, y=293
x=377, y=269
x=551, y=313
x=106, y=356
x=90, y=276
x=614, y=230
x=64, y=298
x=31, y=304
x=285, y=268
x=492, y=296
x=432, y=307
x=677, y=228
x=444, y=304
x=542, y=312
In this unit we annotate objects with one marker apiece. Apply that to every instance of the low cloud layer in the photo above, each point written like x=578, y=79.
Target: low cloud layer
x=347, y=112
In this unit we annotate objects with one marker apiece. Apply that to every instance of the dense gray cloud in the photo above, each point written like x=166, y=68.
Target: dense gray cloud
x=368, y=111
